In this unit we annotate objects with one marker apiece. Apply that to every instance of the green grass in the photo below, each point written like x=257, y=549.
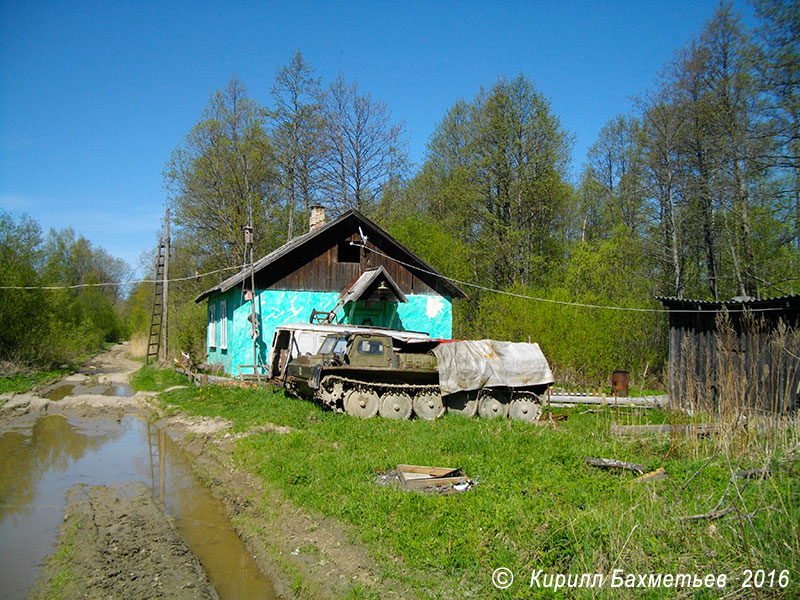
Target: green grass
x=24, y=382
x=151, y=379
x=537, y=505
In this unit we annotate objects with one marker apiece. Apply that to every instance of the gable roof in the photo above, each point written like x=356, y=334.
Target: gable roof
x=413, y=262
x=362, y=287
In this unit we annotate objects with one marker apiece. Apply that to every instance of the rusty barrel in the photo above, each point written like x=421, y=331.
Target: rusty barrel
x=619, y=383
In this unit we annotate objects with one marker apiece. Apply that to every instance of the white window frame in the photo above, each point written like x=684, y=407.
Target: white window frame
x=212, y=325
x=223, y=324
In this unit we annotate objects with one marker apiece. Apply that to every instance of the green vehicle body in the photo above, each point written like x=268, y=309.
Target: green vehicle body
x=364, y=357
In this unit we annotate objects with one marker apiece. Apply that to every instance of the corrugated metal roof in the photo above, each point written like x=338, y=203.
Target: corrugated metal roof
x=301, y=240
x=792, y=300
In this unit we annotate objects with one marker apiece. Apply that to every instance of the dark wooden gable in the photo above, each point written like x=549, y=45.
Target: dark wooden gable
x=324, y=260
x=328, y=263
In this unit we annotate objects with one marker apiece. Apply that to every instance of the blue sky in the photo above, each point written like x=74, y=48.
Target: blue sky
x=95, y=96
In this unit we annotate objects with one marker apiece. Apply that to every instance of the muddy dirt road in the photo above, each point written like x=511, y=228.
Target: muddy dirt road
x=99, y=388
x=115, y=542
x=91, y=429
x=87, y=480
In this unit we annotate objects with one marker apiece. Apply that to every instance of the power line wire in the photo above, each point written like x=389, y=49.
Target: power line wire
x=551, y=301
x=416, y=268
x=116, y=283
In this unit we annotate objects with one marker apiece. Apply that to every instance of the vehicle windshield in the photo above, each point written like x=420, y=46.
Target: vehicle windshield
x=370, y=347
x=333, y=345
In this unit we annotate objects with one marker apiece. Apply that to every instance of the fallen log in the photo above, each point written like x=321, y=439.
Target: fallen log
x=639, y=401
x=713, y=515
x=753, y=473
x=690, y=429
x=718, y=514
x=610, y=463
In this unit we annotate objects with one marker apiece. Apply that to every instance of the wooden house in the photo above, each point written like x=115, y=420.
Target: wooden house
x=345, y=271
x=742, y=350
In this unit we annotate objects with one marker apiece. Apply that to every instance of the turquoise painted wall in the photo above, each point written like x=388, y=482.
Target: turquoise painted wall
x=235, y=338
x=431, y=314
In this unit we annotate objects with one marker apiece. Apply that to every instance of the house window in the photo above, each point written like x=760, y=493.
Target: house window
x=212, y=325
x=223, y=324
x=348, y=253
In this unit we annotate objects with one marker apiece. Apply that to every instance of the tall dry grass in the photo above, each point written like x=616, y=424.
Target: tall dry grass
x=743, y=378
x=138, y=345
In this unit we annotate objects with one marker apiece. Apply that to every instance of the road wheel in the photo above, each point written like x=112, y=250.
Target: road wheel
x=462, y=403
x=491, y=406
x=525, y=408
x=329, y=393
x=428, y=406
x=361, y=403
x=395, y=405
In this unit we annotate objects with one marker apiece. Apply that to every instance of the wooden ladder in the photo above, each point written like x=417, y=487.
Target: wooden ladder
x=154, y=339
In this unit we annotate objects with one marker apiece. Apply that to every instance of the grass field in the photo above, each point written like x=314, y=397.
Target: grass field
x=537, y=505
x=152, y=379
x=24, y=382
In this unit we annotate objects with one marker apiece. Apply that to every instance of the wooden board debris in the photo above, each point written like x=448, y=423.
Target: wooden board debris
x=610, y=463
x=416, y=476
x=656, y=475
x=689, y=429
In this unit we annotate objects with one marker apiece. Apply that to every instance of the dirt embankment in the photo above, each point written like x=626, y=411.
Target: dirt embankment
x=289, y=545
x=117, y=543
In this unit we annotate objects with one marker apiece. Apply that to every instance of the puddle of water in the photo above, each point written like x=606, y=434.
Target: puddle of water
x=119, y=390
x=59, y=393
x=41, y=462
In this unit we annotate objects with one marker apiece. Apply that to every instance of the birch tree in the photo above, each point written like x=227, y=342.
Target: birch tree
x=297, y=128
x=223, y=169
x=364, y=148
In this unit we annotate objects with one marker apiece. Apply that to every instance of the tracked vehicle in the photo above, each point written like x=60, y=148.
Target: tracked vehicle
x=369, y=372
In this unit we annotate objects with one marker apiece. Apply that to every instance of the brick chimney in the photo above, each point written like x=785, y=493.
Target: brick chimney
x=317, y=218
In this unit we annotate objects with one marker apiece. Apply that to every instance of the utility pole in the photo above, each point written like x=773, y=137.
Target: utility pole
x=248, y=240
x=162, y=350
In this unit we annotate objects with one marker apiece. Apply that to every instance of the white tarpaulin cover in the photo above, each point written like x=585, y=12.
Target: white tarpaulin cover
x=474, y=364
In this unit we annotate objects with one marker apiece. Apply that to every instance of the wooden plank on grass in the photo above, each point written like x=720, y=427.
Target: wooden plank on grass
x=691, y=429
x=610, y=463
x=656, y=475
x=416, y=476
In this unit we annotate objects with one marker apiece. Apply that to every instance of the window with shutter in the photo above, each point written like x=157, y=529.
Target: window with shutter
x=223, y=324
x=212, y=325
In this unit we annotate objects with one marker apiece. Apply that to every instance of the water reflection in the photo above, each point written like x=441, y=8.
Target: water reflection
x=39, y=463
x=50, y=446
x=202, y=522
x=61, y=391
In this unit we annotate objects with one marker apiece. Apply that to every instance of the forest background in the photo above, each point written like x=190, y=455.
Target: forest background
x=694, y=194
